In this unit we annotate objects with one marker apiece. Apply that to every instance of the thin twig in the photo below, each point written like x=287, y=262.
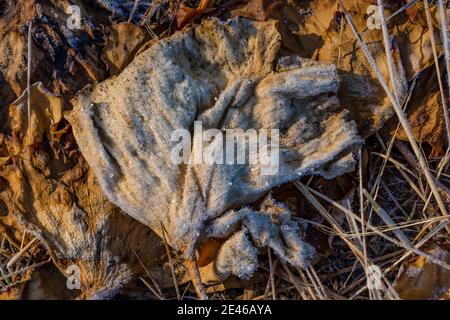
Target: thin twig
x=159, y=293
x=29, y=83
x=34, y=266
x=361, y=210
x=172, y=268
x=400, y=114
x=294, y=281
x=272, y=277
x=269, y=281
x=414, y=249
x=150, y=288
x=196, y=279
x=136, y=3
x=19, y=254
x=405, y=243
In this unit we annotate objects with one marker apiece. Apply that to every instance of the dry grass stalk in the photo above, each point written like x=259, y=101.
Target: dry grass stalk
x=19, y=254
x=172, y=267
x=29, y=82
x=400, y=114
x=25, y=269
x=405, y=243
x=272, y=277
x=150, y=288
x=309, y=288
x=388, y=150
x=269, y=281
x=425, y=239
x=136, y=3
x=298, y=286
x=361, y=208
x=196, y=279
x=402, y=9
x=344, y=236
x=157, y=293
x=445, y=37
x=436, y=63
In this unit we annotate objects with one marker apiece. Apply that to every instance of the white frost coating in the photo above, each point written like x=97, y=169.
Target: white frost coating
x=226, y=75
x=237, y=256
x=270, y=226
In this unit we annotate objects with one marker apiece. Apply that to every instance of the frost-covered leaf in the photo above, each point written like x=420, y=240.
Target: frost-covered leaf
x=227, y=75
x=50, y=190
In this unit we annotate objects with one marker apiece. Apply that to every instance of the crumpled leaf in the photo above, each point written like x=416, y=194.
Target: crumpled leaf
x=425, y=114
x=223, y=74
x=207, y=251
x=52, y=192
x=9, y=227
x=312, y=29
x=185, y=14
x=13, y=293
x=65, y=59
x=421, y=279
x=123, y=41
x=259, y=10
x=238, y=255
x=428, y=124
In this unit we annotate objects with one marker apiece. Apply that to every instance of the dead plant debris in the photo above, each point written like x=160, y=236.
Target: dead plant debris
x=91, y=206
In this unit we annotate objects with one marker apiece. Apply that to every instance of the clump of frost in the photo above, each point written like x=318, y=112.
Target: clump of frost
x=237, y=256
x=270, y=226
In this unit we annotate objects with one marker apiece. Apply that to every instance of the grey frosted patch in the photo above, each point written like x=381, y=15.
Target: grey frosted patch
x=121, y=9
x=223, y=73
x=270, y=226
x=237, y=256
